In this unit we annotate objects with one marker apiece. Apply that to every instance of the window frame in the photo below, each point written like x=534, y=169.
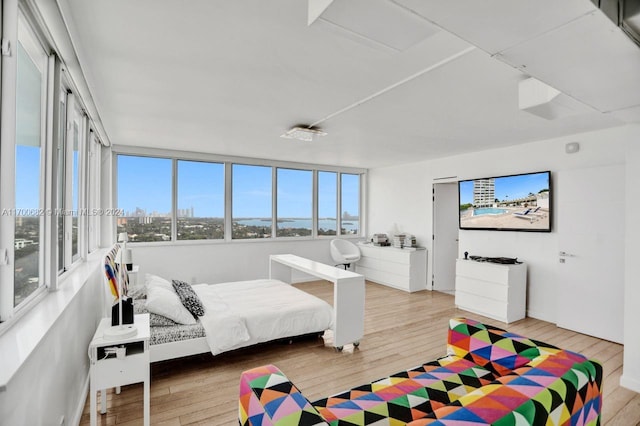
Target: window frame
x=228, y=161
x=311, y=198
x=34, y=42
x=20, y=19
x=173, y=215
x=176, y=200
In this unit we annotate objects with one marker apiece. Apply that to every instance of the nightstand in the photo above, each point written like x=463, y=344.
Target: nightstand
x=119, y=362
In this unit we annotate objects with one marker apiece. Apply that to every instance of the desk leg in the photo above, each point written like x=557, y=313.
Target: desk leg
x=93, y=403
x=103, y=401
x=147, y=411
x=278, y=271
x=348, y=307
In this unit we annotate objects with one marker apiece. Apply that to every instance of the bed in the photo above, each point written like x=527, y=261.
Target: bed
x=236, y=314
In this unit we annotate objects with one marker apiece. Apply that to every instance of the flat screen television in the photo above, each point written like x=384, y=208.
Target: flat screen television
x=507, y=203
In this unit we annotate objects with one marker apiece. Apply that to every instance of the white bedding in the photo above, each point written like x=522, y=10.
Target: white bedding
x=244, y=313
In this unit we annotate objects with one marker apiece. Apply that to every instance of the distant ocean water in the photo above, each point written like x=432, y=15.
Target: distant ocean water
x=350, y=225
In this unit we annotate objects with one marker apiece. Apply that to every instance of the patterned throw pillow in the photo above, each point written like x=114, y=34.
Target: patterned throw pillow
x=189, y=298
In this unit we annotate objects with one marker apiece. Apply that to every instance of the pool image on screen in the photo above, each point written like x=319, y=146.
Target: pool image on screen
x=506, y=203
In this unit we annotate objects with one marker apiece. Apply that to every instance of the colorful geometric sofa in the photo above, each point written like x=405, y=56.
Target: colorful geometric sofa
x=489, y=377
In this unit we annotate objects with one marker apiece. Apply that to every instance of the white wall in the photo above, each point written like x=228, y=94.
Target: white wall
x=222, y=262
x=631, y=368
x=394, y=187
x=390, y=188
x=52, y=382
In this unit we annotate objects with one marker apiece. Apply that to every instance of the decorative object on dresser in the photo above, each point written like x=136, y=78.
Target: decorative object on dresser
x=495, y=290
x=401, y=268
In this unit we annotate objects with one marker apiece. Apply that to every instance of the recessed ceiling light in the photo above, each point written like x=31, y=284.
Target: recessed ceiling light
x=305, y=134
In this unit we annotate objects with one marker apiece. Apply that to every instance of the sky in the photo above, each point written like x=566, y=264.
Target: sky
x=509, y=187
x=145, y=182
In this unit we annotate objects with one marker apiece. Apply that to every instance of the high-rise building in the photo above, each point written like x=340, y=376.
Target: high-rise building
x=484, y=192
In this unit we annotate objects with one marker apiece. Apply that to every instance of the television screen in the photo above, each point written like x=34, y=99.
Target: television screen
x=507, y=203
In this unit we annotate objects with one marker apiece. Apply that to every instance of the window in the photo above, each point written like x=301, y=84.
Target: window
x=29, y=165
x=44, y=186
x=294, y=203
x=93, y=192
x=60, y=178
x=251, y=194
x=200, y=213
x=327, y=203
x=350, y=204
x=198, y=198
x=144, y=196
x=76, y=139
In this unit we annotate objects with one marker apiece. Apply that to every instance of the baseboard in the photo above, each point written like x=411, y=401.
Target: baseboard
x=77, y=415
x=629, y=383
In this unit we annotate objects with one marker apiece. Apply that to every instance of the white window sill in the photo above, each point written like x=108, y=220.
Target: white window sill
x=22, y=338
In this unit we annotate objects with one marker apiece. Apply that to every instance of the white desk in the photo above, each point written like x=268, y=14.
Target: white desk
x=348, y=293
x=109, y=371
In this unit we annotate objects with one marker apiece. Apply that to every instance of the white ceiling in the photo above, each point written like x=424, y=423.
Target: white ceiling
x=229, y=77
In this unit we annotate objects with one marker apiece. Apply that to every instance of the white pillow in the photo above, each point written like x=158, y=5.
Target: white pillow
x=150, y=279
x=165, y=302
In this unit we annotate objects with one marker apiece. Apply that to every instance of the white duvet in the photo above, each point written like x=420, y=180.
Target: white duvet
x=244, y=313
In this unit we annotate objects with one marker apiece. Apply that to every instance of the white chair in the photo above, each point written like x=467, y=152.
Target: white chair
x=344, y=253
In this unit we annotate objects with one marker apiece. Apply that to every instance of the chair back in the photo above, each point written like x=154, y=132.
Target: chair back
x=343, y=251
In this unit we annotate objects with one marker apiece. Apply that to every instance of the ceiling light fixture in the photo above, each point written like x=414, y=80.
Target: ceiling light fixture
x=306, y=134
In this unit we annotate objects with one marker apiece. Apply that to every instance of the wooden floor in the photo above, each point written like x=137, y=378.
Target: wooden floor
x=401, y=331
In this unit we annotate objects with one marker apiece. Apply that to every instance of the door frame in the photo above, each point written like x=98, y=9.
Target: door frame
x=436, y=247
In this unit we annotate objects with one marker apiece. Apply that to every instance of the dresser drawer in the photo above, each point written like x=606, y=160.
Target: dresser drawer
x=489, y=290
x=482, y=305
x=114, y=372
x=403, y=269
x=483, y=271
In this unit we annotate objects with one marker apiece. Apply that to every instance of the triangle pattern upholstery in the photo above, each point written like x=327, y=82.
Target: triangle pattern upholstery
x=489, y=377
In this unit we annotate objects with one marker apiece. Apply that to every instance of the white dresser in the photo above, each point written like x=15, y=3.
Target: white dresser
x=493, y=290
x=404, y=269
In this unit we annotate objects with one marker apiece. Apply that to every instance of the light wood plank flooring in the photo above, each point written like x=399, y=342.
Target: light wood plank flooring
x=401, y=331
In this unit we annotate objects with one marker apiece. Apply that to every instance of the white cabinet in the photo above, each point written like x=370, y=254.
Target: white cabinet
x=404, y=269
x=493, y=290
x=119, y=362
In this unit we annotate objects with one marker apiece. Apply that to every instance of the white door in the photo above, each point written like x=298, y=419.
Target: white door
x=590, y=211
x=445, y=235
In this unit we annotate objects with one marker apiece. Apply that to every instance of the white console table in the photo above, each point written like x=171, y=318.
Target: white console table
x=493, y=290
x=348, y=293
x=404, y=269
